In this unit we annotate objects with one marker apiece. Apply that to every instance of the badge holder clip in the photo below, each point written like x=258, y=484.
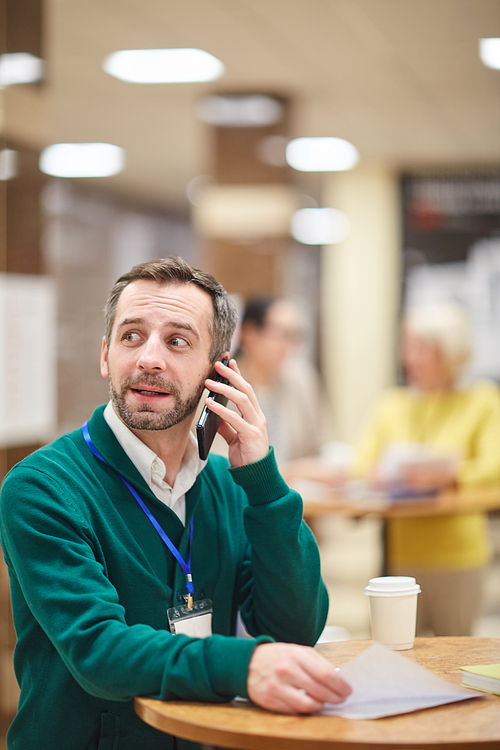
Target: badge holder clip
x=195, y=621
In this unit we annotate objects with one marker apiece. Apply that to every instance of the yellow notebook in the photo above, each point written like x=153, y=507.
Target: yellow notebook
x=482, y=677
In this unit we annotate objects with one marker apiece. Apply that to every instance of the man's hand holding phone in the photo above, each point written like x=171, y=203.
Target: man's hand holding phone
x=246, y=432
x=209, y=421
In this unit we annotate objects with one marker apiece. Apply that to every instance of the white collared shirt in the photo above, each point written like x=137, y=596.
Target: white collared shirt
x=152, y=469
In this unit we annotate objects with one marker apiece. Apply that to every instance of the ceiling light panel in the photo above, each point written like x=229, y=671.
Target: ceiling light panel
x=8, y=164
x=82, y=160
x=20, y=67
x=489, y=52
x=321, y=154
x=319, y=226
x=163, y=65
x=243, y=111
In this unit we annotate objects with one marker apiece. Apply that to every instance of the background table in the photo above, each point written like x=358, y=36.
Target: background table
x=482, y=499
x=467, y=725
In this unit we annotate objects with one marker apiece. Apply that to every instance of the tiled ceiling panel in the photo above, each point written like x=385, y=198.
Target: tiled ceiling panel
x=399, y=78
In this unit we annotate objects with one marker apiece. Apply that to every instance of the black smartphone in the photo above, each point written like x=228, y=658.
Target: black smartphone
x=209, y=422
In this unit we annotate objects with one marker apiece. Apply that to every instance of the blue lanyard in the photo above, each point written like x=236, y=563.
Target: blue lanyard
x=185, y=565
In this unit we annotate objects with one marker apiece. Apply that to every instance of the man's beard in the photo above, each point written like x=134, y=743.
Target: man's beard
x=147, y=418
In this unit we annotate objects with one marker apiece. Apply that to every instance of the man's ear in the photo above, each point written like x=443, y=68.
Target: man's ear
x=104, y=358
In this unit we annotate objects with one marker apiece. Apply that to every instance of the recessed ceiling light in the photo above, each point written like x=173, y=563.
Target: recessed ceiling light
x=82, y=160
x=319, y=226
x=163, y=65
x=20, y=67
x=240, y=111
x=489, y=52
x=8, y=164
x=195, y=187
x=321, y=154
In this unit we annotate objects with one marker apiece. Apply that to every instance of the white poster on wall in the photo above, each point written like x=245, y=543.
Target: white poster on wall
x=28, y=359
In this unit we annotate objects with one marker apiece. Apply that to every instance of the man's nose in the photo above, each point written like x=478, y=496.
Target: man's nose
x=152, y=355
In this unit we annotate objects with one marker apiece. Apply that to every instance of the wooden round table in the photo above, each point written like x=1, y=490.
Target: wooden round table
x=467, y=725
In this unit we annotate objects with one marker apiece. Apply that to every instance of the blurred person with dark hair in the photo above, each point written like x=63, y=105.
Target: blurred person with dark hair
x=287, y=386
x=429, y=436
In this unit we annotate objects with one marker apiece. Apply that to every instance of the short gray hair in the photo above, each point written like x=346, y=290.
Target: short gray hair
x=445, y=325
x=175, y=270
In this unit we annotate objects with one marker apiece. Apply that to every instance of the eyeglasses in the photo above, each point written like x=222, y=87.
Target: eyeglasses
x=293, y=335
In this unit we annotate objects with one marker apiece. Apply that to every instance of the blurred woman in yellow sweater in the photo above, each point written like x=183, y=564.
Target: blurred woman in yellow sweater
x=447, y=554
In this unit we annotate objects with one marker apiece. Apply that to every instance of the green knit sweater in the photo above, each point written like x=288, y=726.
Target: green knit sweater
x=91, y=583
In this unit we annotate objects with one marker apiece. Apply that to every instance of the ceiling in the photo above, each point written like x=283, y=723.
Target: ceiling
x=401, y=79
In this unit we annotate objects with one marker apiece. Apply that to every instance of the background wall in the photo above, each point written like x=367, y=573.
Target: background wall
x=89, y=240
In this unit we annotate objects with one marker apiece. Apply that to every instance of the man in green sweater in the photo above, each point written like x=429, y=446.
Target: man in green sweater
x=116, y=534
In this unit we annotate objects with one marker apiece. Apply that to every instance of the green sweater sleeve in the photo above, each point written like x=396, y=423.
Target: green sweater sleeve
x=59, y=587
x=281, y=591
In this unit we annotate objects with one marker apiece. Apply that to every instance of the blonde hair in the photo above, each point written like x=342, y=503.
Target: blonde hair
x=445, y=325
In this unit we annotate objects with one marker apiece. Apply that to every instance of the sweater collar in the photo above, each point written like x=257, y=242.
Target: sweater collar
x=110, y=449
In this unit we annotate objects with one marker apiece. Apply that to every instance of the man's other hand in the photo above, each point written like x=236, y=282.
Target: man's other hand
x=291, y=679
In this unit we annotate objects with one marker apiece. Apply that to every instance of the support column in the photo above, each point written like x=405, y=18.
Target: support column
x=360, y=288
x=247, y=257
x=20, y=258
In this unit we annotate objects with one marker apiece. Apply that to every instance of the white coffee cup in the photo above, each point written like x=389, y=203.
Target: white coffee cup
x=393, y=610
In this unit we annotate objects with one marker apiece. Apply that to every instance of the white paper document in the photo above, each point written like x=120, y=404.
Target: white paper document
x=385, y=683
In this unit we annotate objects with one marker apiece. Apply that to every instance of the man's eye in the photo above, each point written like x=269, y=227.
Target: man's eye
x=178, y=342
x=130, y=336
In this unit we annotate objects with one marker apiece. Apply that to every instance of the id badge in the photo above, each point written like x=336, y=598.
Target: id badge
x=195, y=622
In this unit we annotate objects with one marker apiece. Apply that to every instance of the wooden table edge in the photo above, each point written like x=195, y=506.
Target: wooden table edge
x=206, y=735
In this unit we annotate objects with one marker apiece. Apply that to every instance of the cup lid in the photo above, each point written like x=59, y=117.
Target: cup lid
x=392, y=586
